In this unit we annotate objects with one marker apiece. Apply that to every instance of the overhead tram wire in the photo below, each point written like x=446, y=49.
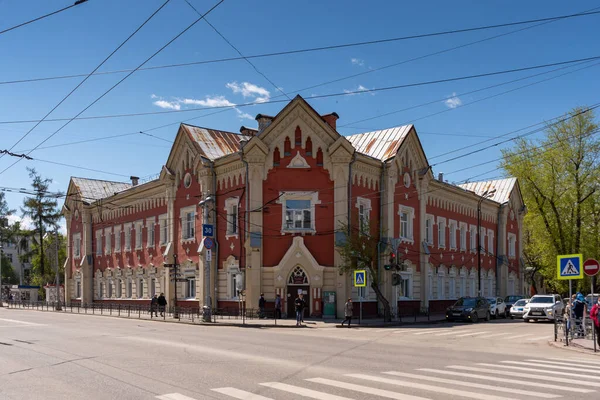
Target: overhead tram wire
x=89, y=75
x=119, y=82
x=324, y=48
x=239, y=52
x=78, y=2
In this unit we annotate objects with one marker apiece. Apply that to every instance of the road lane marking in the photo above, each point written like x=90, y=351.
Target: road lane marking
x=540, y=338
x=430, y=388
x=313, y=394
x=529, y=374
x=174, y=396
x=14, y=321
x=430, y=331
x=240, y=394
x=496, y=334
x=537, y=364
x=553, y=364
x=366, y=389
x=504, y=380
x=452, y=333
x=474, y=385
x=519, y=336
x=576, y=360
x=472, y=334
x=529, y=369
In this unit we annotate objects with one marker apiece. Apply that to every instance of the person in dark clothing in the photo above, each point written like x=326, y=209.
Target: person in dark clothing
x=348, y=311
x=595, y=316
x=578, y=311
x=278, y=307
x=154, y=306
x=162, y=303
x=299, y=304
x=261, y=305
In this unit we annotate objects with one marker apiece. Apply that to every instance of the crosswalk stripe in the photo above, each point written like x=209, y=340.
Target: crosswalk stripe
x=429, y=331
x=174, y=396
x=472, y=334
x=495, y=371
x=529, y=369
x=474, y=385
x=14, y=321
x=504, y=380
x=519, y=336
x=564, y=364
x=537, y=364
x=539, y=338
x=313, y=394
x=496, y=334
x=451, y=333
x=240, y=394
x=365, y=389
x=576, y=360
x=430, y=388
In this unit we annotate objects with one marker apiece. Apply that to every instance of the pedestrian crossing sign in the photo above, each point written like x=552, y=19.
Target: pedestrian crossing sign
x=360, y=278
x=570, y=266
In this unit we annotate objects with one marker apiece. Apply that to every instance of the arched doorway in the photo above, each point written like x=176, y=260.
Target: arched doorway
x=298, y=283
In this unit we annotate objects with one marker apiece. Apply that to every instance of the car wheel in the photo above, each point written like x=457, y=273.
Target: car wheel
x=488, y=316
x=526, y=319
x=475, y=318
x=496, y=315
x=506, y=314
x=511, y=317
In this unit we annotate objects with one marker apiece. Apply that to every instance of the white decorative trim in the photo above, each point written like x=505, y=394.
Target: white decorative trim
x=441, y=221
x=452, y=227
x=314, y=199
x=463, y=240
x=298, y=162
x=431, y=218
x=410, y=238
x=182, y=213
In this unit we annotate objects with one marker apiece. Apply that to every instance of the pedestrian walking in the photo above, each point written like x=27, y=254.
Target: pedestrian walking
x=348, y=310
x=261, y=306
x=578, y=312
x=162, y=304
x=595, y=316
x=154, y=306
x=299, y=304
x=278, y=307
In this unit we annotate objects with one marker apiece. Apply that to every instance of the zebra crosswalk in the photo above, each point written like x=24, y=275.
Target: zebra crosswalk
x=527, y=334
x=506, y=380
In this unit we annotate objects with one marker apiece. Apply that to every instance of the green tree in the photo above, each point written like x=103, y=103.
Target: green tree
x=559, y=179
x=360, y=251
x=43, y=210
x=49, y=242
x=9, y=276
x=5, y=212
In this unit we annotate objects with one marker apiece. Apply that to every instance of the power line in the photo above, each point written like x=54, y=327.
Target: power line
x=323, y=48
x=78, y=2
x=88, y=76
x=119, y=82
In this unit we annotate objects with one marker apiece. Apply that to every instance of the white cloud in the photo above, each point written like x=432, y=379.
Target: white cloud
x=249, y=90
x=453, y=101
x=172, y=105
x=153, y=96
x=261, y=99
x=26, y=222
x=209, y=101
x=360, y=88
x=357, y=61
x=243, y=115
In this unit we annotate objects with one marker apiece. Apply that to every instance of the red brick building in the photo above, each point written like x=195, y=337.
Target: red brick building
x=276, y=197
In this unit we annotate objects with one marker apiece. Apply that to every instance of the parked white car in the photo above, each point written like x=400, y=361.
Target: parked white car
x=518, y=309
x=497, y=307
x=543, y=307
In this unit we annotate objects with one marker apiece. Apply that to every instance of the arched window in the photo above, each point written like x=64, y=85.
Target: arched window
x=276, y=157
x=298, y=277
x=298, y=137
x=308, y=146
x=287, y=147
x=320, y=157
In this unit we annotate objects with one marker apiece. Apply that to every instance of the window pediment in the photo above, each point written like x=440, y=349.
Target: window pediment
x=298, y=162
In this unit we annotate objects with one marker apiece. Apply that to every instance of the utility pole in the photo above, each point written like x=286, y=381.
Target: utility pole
x=57, y=283
x=207, y=263
x=175, y=266
x=1, y=289
x=488, y=193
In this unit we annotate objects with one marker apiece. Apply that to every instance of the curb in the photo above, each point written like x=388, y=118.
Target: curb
x=573, y=347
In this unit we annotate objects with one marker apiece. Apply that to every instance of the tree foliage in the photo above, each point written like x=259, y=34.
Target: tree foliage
x=559, y=179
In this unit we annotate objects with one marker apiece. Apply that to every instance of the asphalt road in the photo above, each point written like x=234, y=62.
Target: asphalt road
x=64, y=356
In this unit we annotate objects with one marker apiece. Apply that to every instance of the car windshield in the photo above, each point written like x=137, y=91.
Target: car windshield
x=512, y=298
x=466, y=302
x=491, y=300
x=520, y=303
x=545, y=299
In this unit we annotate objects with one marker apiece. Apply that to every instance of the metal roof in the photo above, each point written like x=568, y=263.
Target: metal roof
x=381, y=144
x=94, y=189
x=503, y=188
x=214, y=144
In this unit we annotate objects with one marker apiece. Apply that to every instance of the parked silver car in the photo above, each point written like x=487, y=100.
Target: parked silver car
x=543, y=307
x=518, y=309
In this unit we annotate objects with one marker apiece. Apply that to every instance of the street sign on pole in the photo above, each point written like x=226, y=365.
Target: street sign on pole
x=207, y=230
x=591, y=267
x=209, y=243
x=360, y=278
x=208, y=255
x=569, y=266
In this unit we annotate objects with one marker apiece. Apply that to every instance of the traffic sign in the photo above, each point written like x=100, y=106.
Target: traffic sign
x=569, y=266
x=591, y=267
x=209, y=243
x=207, y=230
x=360, y=278
x=208, y=255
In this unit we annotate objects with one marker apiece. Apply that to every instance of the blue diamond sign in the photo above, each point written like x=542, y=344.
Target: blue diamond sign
x=360, y=278
x=569, y=266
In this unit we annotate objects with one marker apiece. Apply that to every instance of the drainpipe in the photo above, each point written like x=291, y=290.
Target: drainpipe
x=216, y=236
x=380, y=241
x=350, y=192
x=246, y=215
x=498, y=247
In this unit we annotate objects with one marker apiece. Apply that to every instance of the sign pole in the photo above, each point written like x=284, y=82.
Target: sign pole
x=593, y=328
x=360, y=312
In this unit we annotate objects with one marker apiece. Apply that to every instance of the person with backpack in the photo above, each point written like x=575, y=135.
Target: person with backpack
x=594, y=315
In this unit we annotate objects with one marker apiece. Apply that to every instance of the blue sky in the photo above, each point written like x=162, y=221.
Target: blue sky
x=75, y=41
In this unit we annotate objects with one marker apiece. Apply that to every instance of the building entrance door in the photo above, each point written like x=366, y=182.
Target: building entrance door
x=292, y=294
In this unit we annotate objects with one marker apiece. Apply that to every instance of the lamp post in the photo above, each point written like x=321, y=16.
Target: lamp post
x=174, y=278
x=485, y=195
x=57, y=283
x=1, y=289
x=207, y=299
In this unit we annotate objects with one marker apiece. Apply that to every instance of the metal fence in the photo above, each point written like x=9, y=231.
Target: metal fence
x=566, y=329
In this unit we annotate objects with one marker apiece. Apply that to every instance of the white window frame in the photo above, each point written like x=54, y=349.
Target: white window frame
x=406, y=286
x=473, y=288
x=139, y=288
x=163, y=229
x=441, y=223
x=152, y=287
x=119, y=288
x=129, y=288
x=150, y=232
x=452, y=287
x=109, y=288
x=108, y=241
x=482, y=232
x=189, y=285
x=77, y=245
x=490, y=236
x=78, y=288
x=100, y=289
x=463, y=286
x=233, y=227
x=512, y=245
x=441, y=286
x=473, y=239
x=364, y=214
x=139, y=232
x=99, y=242
x=128, y=228
x=429, y=219
x=118, y=244
x=314, y=200
x=406, y=237
x=452, y=233
x=463, y=235
x=187, y=216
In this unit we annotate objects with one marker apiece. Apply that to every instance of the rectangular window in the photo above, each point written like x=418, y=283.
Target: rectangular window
x=429, y=229
x=364, y=214
x=107, y=241
x=150, y=229
x=406, y=223
x=98, y=243
x=77, y=245
x=234, y=285
x=490, y=287
x=490, y=235
x=118, y=239
x=129, y=289
x=119, y=288
x=463, y=286
x=405, y=287
x=451, y=287
x=109, y=287
x=472, y=294
x=190, y=288
x=452, y=234
x=512, y=245
x=152, y=287
x=78, y=289
x=441, y=289
x=231, y=208
x=101, y=290
x=138, y=234
x=188, y=225
x=441, y=232
x=298, y=214
x=430, y=286
x=463, y=236
x=473, y=238
x=511, y=286
x=140, y=288
x=164, y=229
x=128, y=229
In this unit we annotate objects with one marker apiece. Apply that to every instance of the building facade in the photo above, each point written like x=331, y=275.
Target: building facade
x=278, y=197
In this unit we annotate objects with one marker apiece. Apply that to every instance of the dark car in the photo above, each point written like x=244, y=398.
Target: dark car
x=511, y=300
x=469, y=309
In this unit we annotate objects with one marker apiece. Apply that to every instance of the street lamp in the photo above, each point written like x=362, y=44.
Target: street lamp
x=207, y=300
x=175, y=279
x=487, y=194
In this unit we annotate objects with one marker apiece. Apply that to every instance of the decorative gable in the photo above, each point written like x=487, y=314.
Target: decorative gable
x=298, y=162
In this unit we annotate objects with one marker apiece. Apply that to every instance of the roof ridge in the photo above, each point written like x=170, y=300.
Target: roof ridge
x=99, y=180
x=214, y=129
